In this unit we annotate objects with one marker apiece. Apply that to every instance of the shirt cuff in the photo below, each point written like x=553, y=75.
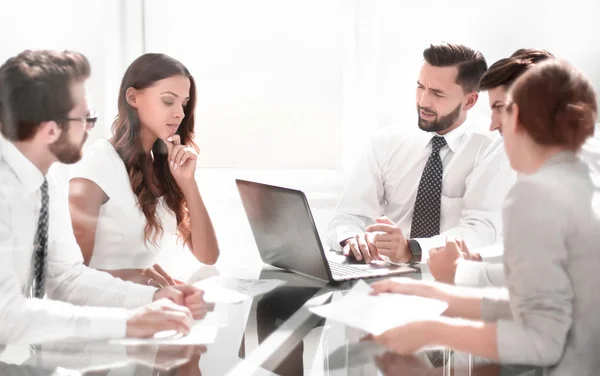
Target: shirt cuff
x=491, y=253
x=469, y=273
x=425, y=244
x=139, y=295
x=429, y=243
x=389, y=261
x=100, y=322
x=341, y=235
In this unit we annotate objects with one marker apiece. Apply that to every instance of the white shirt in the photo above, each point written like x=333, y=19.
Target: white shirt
x=491, y=272
x=487, y=273
x=119, y=240
x=25, y=321
x=590, y=152
x=385, y=181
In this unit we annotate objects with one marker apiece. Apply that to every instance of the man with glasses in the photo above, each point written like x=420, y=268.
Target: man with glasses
x=69, y=151
x=44, y=118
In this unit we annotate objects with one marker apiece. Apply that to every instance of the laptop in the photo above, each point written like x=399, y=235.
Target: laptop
x=286, y=236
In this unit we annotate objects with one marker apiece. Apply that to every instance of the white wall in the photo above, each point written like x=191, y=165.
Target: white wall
x=107, y=32
x=93, y=27
x=290, y=90
x=398, y=32
x=268, y=73
x=301, y=84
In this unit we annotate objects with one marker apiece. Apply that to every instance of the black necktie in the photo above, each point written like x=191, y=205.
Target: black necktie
x=426, y=216
x=41, y=246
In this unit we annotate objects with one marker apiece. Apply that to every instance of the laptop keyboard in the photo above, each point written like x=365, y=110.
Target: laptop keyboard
x=345, y=270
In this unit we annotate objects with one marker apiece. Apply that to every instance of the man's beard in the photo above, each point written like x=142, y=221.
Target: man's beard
x=65, y=151
x=438, y=124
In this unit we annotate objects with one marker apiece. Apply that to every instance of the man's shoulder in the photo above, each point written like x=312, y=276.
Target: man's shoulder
x=9, y=183
x=97, y=151
x=478, y=126
x=392, y=141
x=554, y=185
x=479, y=137
x=98, y=163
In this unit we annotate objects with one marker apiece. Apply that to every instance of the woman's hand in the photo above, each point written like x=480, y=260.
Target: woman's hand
x=182, y=160
x=158, y=277
x=443, y=261
x=407, y=286
x=462, y=301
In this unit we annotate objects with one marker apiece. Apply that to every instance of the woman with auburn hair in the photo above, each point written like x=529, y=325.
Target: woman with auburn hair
x=546, y=315
x=130, y=193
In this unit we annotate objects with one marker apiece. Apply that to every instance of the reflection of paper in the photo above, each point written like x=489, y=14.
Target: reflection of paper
x=221, y=289
x=353, y=354
x=363, y=352
x=201, y=334
x=376, y=314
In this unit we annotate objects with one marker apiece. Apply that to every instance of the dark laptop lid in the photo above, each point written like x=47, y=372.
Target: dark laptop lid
x=283, y=228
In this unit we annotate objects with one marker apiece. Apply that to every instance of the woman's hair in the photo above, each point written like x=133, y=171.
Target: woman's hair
x=505, y=71
x=557, y=104
x=144, y=72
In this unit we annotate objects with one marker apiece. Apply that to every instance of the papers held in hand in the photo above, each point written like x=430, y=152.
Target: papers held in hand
x=376, y=314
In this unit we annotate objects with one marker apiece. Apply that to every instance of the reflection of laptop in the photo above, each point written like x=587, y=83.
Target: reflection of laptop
x=286, y=236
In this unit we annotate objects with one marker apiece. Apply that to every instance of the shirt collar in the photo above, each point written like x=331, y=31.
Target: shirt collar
x=27, y=173
x=561, y=157
x=454, y=138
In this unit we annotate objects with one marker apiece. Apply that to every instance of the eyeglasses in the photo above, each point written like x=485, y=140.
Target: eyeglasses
x=90, y=119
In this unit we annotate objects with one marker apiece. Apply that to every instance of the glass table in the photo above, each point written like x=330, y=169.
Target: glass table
x=271, y=334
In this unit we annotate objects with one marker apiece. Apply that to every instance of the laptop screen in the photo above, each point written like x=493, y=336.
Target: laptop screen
x=283, y=228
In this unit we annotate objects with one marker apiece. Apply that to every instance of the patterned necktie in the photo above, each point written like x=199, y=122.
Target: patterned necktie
x=41, y=246
x=426, y=216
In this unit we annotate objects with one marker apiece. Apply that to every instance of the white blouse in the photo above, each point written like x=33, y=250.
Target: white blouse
x=120, y=239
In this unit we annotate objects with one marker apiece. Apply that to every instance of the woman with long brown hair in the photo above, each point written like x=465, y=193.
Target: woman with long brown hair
x=130, y=193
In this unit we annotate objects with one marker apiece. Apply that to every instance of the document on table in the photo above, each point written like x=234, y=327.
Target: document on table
x=376, y=314
x=202, y=333
x=220, y=289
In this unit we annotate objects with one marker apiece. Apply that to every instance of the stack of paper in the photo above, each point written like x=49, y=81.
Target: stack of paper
x=220, y=289
x=376, y=314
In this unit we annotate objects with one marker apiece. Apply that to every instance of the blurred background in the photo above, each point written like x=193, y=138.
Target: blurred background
x=289, y=90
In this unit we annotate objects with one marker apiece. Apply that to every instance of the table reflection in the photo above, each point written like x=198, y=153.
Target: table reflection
x=102, y=358
x=272, y=310
x=271, y=334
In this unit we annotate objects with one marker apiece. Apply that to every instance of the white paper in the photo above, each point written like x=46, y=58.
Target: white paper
x=202, y=333
x=376, y=314
x=222, y=289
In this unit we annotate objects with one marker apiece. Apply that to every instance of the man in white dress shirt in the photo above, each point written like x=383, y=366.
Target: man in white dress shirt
x=414, y=186
x=44, y=118
x=449, y=264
